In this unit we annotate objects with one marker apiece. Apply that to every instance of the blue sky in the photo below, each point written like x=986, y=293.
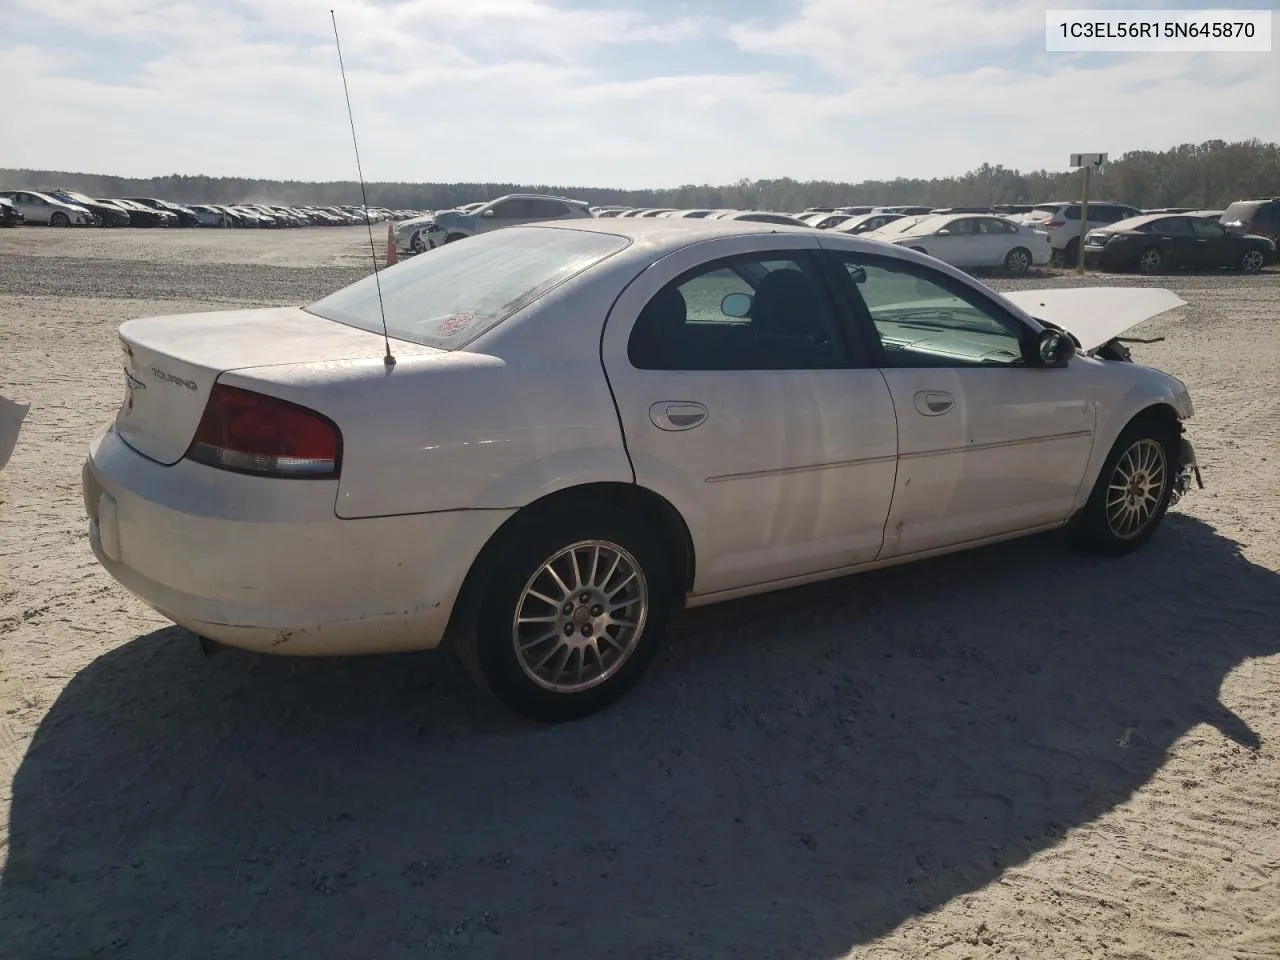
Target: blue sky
x=599, y=92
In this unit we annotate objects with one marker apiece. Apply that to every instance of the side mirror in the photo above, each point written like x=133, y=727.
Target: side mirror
x=487, y=213
x=858, y=274
x=1055, y=348
x=944, y=232
x=736, y=305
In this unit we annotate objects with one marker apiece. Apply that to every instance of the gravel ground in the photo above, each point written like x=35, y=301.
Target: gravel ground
x=1012, y=753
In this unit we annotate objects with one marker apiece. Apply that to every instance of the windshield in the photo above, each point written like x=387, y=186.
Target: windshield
x=451, y=295
x=908, y=224
x=1241, y=211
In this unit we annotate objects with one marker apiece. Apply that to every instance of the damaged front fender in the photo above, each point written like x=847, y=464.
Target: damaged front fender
x=1186, y=469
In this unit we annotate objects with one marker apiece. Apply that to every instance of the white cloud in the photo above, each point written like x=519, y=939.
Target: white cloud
x=530, y=91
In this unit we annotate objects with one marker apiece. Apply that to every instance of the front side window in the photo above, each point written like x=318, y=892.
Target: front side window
x=755, y=312
x=923, y=321
x=994, y=226
x=462, y=290
x=1208, y=230
x=508, y=209
x=1174, y=227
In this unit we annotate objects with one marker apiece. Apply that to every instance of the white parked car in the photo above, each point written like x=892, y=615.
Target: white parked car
x=42, y=208
x=760, y=216
x=446, y=226
x=966, y=240
x=1061, y=220
x=585, y=426
x=211, y=216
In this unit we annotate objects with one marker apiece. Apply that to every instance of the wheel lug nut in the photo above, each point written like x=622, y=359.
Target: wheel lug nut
x=584, y=598
x=568, y=629
x=567, y=609
x=597, y=610
x=586, y=629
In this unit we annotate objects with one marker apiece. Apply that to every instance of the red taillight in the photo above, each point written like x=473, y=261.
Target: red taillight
x=1054, y=224
x=252, y=433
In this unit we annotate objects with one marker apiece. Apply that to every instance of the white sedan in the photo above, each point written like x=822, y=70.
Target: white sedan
x=42, y=208
x=571, y=430
x=967, y=240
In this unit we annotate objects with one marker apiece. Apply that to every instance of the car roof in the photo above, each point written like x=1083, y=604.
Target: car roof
x=534, y=196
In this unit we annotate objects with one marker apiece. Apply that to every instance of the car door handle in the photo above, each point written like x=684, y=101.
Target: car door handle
x=677, y=414
x=934, y=403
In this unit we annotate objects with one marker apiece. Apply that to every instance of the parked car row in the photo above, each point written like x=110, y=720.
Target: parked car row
x=956, y=238
x=61, y=207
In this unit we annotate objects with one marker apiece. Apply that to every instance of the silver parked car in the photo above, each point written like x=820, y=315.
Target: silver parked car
x=42, y=208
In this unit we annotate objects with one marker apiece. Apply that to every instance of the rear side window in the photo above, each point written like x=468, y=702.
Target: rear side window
x=452, y=295
x=545, y=209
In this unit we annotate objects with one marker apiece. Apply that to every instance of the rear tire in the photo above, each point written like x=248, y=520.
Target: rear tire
x=1071, y=253
x=59, y=219
x=1151, y=260
x=611, y=581
x=1132, y=492
x=1018, y=260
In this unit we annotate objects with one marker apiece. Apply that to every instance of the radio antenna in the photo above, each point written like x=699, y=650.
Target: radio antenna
x=389, y=360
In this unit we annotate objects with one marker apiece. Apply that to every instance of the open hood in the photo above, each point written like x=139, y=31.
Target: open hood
x=1094, y=315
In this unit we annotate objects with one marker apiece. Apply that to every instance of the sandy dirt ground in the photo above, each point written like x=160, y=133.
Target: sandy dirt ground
x=1015, y=753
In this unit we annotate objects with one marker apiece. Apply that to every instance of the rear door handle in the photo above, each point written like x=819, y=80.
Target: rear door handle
x=934, y=403
x=677, y=414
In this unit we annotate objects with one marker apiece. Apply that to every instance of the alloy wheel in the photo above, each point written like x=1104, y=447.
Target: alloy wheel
x=1137, y=488
x=1017, y=262
x=580, y=616
x=1252, y=261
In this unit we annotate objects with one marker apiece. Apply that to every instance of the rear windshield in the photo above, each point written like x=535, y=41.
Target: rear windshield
x=1244, y=212
x=447, y=297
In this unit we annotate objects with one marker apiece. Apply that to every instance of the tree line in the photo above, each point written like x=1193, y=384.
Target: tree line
x=1208, y=175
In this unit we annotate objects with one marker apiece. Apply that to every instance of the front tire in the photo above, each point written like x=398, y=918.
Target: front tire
x=418, y=244
x=571, y=613
x=1151, y=260
x=1252, y=261
x=1132, y=491
x=59, y=219
x=1018, y=261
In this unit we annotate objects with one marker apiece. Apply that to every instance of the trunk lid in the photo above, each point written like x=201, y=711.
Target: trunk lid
x=172, y=362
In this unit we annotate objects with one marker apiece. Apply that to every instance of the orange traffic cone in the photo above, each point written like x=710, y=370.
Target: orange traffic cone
x=391, y=244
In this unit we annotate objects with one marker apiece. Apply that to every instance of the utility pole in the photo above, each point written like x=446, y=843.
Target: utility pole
x=1090, y=162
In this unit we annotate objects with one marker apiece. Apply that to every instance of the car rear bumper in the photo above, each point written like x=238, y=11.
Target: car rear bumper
x=266, y=565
